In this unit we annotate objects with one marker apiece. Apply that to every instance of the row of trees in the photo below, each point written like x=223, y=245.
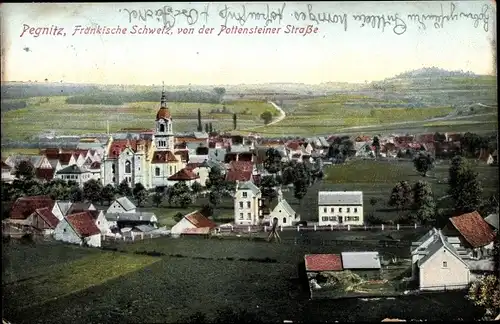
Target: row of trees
x=416, y=199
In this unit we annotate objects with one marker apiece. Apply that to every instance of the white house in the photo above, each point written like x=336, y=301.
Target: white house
x=78, y=229
x=441, y=267
x=283, y=212
x=7, y=173
x=247, y=204
x=340, y=207
x=121, y=205
x=63, y=208
x=74, y=173
x=43, y=221
x=201, y=170
x=185, y=175
x=193, y=223
x=100, y=221
x=128, y=219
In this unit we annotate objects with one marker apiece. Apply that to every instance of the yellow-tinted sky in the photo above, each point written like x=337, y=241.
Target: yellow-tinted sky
x=454, y=36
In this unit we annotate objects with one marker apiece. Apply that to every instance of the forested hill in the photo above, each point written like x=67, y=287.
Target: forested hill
x=430, y=72
x=28, y=90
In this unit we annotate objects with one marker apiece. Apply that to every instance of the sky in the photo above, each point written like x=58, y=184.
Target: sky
x=340, y=51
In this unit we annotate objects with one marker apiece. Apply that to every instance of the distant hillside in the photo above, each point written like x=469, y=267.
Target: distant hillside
x=429, y=72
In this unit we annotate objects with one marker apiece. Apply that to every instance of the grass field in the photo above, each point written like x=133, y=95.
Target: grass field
x=56, y=115
x=329, y=114
x=174, y=288
x=6, y=152
x=59, y=279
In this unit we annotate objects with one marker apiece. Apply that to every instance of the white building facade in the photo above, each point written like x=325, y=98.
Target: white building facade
x=340, y=208
x=247, y=204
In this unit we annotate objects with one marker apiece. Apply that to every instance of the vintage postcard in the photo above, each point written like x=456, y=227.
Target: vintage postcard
x=283, y=162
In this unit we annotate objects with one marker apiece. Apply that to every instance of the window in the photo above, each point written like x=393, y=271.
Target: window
x=114, y=179
x=355, y=210
x=162, y=128
x=128, y=167
x=280, y=210
x=332, y=210
x=98, y=222
x=324, y=210
x=445, y=264
x=241, y=215
x=170, y=169
x=157, y=171
x=355, y=218
x=248, y=204
x=284, y=220
x=245, y=194
x=348, y=210
x=249, y=216
x=241, y=204
x=112, y=168
x=332, y=218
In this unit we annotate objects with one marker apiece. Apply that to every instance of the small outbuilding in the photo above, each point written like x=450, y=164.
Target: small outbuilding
x=365, y=264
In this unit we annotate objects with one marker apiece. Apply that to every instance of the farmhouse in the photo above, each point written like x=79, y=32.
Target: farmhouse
x=184, y=175
x=283, y=213
x=122, y=220
x=247, y=204
x=78, y=229
x=470, y=232
x=440, y=267
x=121, y=205
x=43, y=221
x=365, y=264
x=194, y=223
x=340, y=207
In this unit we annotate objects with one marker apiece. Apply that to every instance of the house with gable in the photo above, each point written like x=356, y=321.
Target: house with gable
x=283, y=212
x=240, y=171
x=194, y=223
x=78, y=229
x=23, y=207
x=186, y=175
x=247, y=204
x=61, y=208
x=43, y=221
x=471, y=233
x=121, y=205
x=440, y=267
x=74, y=173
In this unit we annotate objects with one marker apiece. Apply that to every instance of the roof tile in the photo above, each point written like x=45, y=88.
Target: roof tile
x=474, y=229
x=25, y=206
x=323, y=262
x=83, y=223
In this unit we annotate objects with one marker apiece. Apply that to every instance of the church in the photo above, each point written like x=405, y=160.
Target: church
x=149, y=161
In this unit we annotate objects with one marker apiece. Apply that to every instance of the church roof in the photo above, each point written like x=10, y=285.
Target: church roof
x=163, y=157
x=163, y=113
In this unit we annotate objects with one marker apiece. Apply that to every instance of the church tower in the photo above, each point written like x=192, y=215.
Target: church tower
x=163, y=135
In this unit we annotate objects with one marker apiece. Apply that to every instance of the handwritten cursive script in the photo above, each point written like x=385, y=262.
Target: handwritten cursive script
x=242, y=16
x=398, y=23
x=167, y=15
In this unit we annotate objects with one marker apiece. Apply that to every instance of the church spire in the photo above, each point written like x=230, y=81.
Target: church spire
x=163, y=102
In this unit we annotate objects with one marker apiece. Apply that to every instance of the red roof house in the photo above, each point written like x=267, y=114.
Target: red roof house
x=25, y=206
x=323, y=262
x=193, y=223
x=83, y=223
x=473, y=230
x=43, y=219
x=184, y=175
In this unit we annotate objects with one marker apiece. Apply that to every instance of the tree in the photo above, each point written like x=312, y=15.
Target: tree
x=401, y=196
x=235, y=121
x=220, y=91
x=24, y=170
x=215, y=197
x=92, y=190
x=124, y=189
x=485, y=293
x=207, y=130
x=138, y=188
x=76, y=194
x=158, y=198
x=207, y=210
x=141, y=196
x=180, y=194
x=215, y=178
x=267, y=187
x=210, y=128
x=300, y=189
x=196, y=188
x=464, y=187
x=376, y=144
x=178, y=217
x=373, y=202
x=108, y=193
x=267, y=117
x=272, y=163
x=200, y=128
x=423, y=200
x=423, y=163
